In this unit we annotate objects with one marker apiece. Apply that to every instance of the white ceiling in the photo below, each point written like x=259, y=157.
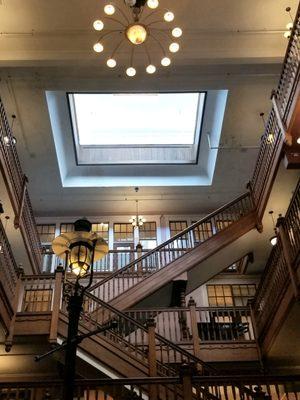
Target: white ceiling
x=227, y=44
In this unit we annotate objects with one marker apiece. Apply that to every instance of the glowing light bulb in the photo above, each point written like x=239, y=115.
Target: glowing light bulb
x=109, y=9
x=177, y=32
x=165, y=62
x=136, y=34
x=111, y=63
x=169, y=16
x=152, y=3
x=98, y=25
x=289, y=26
x=98, y=47
x=151, y=69
x=287, y=34
x=174, y=47
x=298, y=140
x=131, y=71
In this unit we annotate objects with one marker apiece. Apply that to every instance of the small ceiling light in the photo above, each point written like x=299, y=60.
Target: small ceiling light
x=273, y=240
x=151, y=69
x=98, y=47
x=270, y=138
x=111, y=63
x=177, y=32
x=174, y=47
x=130, y=71
x=109, y=9
x=98, y=25
x=136, y=34
x=289, y=26
x=152, y=3
x=7, y=141
x=165, y=62
x=298, y=140
x=169, y=16
x=287, y=34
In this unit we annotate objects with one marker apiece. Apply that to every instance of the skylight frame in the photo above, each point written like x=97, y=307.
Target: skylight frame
x=199, y=120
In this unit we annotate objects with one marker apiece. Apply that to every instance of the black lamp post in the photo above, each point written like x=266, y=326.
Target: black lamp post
x=79, y=249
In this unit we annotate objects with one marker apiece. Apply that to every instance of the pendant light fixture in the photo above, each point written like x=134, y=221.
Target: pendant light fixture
x=140, y=24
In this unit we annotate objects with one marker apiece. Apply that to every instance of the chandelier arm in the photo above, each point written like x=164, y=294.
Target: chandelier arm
x=147, y=52
x=117, y=47
x=163, y=32
x=109, y=33
x=116, y=20
x=159, y=44
x=150, y=15
x=156, y=22
x=131, y=56
x=124, y=15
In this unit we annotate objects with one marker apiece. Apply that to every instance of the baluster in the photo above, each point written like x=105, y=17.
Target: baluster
x=194, y=331
x=56, y=304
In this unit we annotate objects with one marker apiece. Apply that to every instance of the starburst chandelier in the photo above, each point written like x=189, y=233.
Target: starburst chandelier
x=141, y=23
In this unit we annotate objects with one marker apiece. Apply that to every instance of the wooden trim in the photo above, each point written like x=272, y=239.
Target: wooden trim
x=56, y=305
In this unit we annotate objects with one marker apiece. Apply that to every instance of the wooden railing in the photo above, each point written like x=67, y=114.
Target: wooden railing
x=16, y=185
x=9, y=270
x=213, y=324
x=281, y=268
x=169, y=251
x=169, y=388
x=276, y=130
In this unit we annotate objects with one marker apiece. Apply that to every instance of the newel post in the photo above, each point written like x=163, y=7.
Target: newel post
x=194, y=330
x=18, y=292
x=56, y=304
x=286, y=247
x=186, y=373
x=152, y=357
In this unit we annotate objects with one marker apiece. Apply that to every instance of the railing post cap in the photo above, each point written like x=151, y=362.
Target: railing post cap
x=187, y=369
x=191, y=302
x=150, y=323
x=20, y=270
x=273, y=93
x=59, y=269
x=280, y=221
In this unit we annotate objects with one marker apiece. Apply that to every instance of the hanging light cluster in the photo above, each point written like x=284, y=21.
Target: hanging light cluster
x=139, y=28
x=137, y=220
x=289, y=26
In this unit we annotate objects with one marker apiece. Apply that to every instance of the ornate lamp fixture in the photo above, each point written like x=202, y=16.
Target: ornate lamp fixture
x=139, y=30
x=289, y=26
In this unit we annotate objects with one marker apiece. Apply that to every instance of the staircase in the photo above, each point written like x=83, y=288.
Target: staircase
x=140, y=278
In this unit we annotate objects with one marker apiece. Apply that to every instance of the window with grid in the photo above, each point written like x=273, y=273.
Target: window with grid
x=202, y=232
x=37, y=300
x=46, y=232
x=176, y=227
x=243, y=293
x=123, y=232
x=66, y=227
x=230, y=295
x=147, y=235
x=219, y=296
x=101, y=228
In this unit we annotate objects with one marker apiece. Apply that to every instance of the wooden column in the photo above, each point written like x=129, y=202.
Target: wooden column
x=285, y=242
x=152, y=357
x=186, y=373
x=195, y=334
x=18, y=291
x=56, y=304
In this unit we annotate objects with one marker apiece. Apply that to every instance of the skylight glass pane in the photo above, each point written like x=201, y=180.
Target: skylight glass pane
x=137, y=119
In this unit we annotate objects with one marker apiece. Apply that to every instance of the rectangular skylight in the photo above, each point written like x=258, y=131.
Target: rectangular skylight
x=136, y=119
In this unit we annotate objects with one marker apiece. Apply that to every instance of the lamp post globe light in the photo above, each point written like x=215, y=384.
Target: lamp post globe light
x=79, y=249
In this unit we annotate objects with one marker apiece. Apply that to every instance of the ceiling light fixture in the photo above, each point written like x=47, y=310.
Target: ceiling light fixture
x=137, y=220
x=298, y=140
x=138, y=28
x=273, y=239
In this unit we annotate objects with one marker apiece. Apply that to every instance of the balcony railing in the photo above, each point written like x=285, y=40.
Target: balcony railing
x=213, y=324
x=8, y=268
x=187, y=386
x=16, y=184
x=281, y=268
